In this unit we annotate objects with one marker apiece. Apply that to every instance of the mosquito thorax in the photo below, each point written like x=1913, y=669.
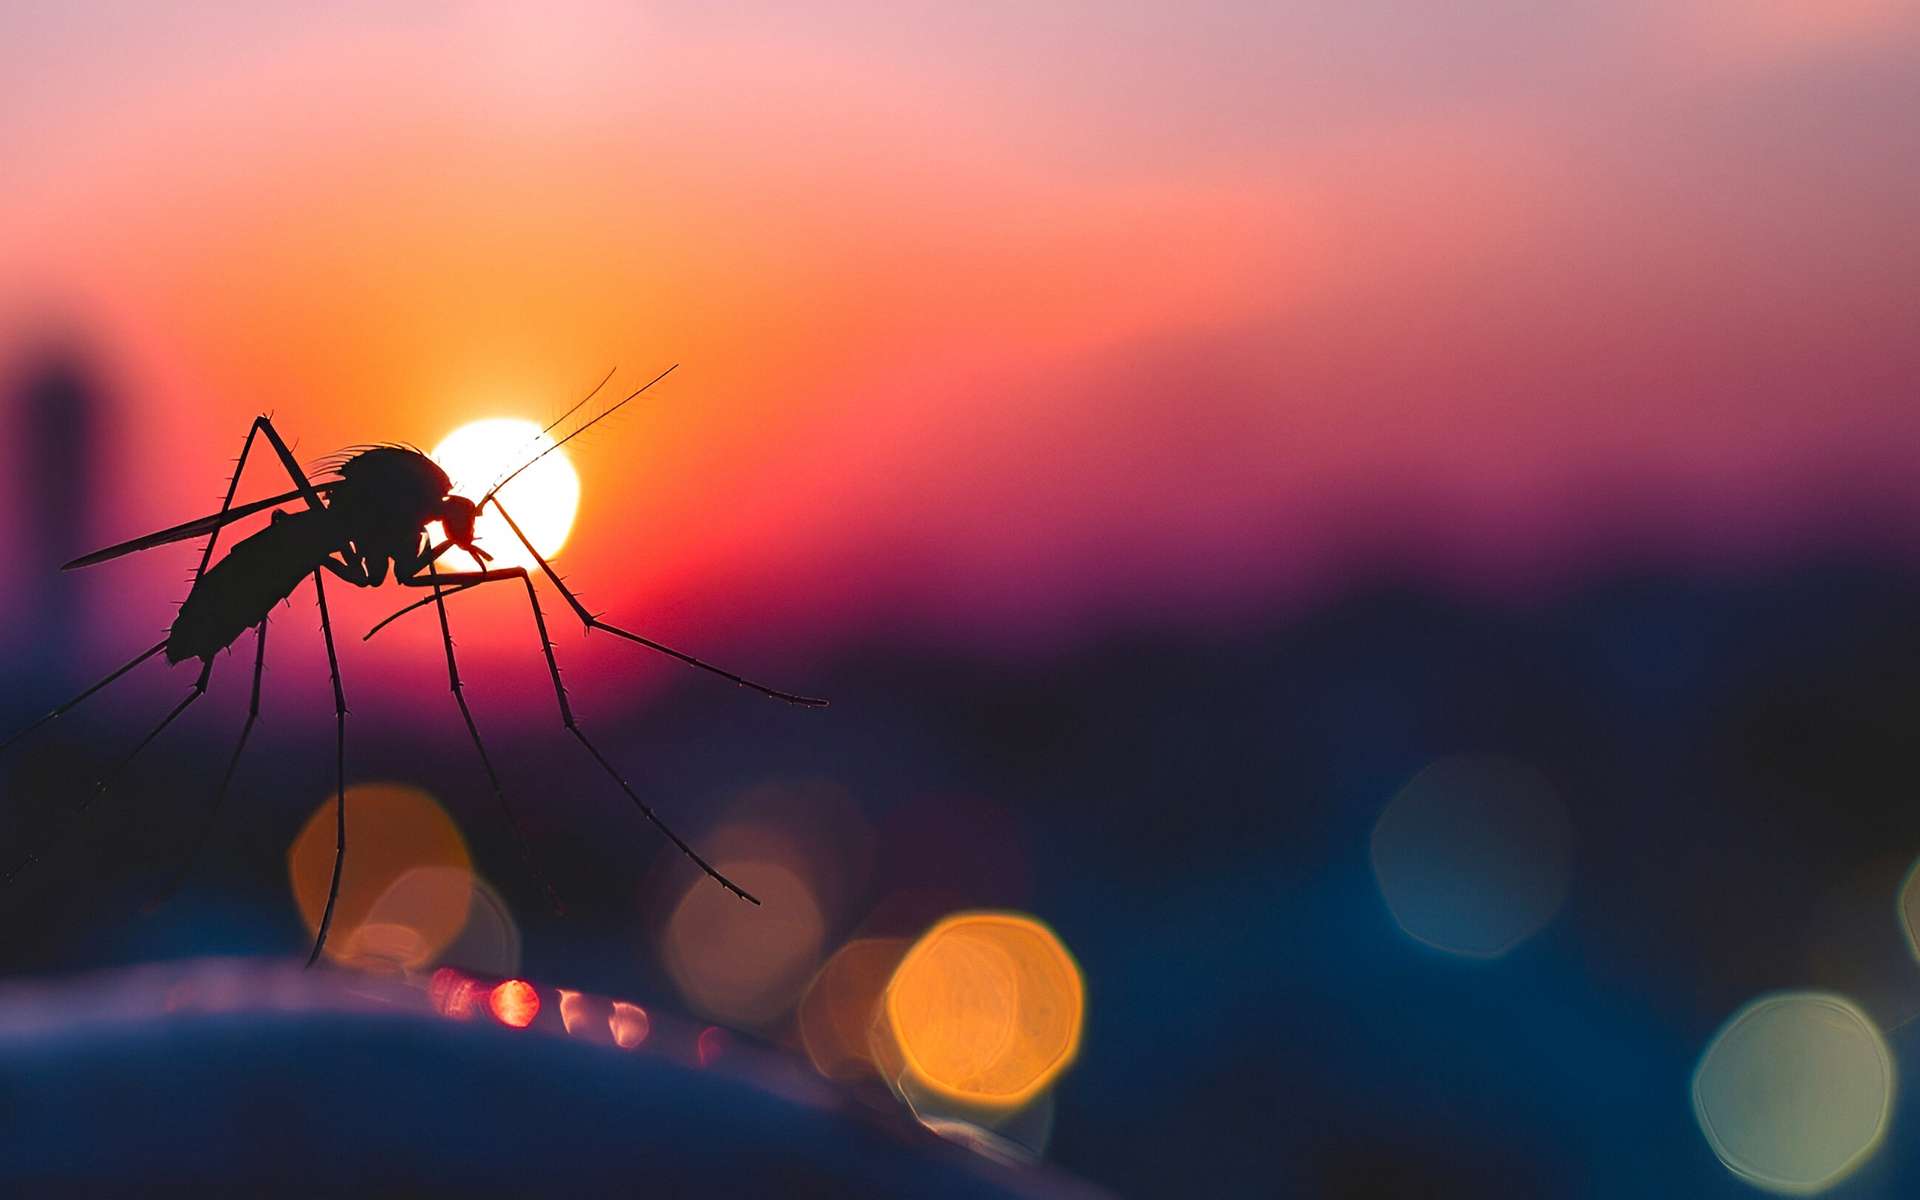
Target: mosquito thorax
x=392, y=484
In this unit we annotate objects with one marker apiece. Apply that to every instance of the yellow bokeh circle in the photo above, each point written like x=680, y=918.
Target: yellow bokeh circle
x=986, y=1008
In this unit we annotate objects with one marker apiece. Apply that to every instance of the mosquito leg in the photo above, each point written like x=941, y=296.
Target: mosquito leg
x=199, y=687
x=473, y=731
x=264, y=424
x=206, y=670
x=500, y=574
x=220, y=794
x=66, y=822
x=339, y=770
x=233, y=486
x=591, y=621
x=260, y=424
x=438, y=598
x=300, y=480
x=573, y=727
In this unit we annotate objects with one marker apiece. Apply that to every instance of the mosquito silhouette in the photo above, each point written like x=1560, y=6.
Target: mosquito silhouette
x=372, y=516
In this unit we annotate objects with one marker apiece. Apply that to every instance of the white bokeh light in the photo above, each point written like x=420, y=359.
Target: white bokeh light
x=1794, y=1091
x=1474, y=855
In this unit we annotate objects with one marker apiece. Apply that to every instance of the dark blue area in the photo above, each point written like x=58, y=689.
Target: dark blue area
x=1734, y=754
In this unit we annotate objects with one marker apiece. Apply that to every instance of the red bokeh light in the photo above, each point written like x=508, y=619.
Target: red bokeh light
x=515, y=1003
x=573, y=1011
x=713, y=1041
x=451, y=993
x=629, y=1024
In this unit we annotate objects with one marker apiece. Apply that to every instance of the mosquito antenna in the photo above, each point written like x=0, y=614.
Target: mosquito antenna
x=582, y=400
x=603, y=415
x=534, y=440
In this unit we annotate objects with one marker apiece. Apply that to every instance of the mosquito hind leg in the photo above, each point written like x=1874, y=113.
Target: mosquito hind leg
x=339, y=771
x=200, y=569
x=493, y=778
x=65, y=822
x=199, y=686
x=212, y=813
x=263, y=424
x=74, y=703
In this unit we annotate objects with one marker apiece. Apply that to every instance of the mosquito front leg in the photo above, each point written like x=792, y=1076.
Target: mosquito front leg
x=339, y=771
x=500, y=575
x=591, y=621
x=466, y=714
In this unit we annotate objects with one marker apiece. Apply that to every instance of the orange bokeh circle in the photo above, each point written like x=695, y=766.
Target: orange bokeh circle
x=514, y=1003
x=406, y=886
x=986, y=1008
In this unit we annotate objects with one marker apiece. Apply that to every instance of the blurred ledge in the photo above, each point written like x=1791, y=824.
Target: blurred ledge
x=246, y=1076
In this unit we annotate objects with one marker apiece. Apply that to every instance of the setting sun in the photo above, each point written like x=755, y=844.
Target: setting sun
x=543, y=498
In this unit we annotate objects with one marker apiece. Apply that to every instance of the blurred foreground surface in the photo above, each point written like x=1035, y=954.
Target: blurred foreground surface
x=229, y=1078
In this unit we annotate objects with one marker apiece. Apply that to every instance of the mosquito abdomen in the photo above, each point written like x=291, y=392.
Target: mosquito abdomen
x=240, y=590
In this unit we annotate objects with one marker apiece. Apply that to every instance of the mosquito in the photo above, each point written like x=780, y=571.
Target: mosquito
x=369, y=519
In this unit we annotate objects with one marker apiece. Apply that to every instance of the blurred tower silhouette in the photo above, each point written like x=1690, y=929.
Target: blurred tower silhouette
x=56, y=413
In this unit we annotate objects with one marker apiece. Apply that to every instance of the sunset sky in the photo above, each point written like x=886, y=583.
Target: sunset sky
x=1015, y=325
x=1387, y=534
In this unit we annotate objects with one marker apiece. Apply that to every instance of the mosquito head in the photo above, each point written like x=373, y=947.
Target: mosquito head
x=456, y=517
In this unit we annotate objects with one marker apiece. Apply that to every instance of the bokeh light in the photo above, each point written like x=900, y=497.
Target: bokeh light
x=1907, y=904
x=406, y=887
x=982, y=1141
x=403, y=924
x=543, y=498
x=1474, y=855
x=837, y=1012
x=710, y=1045
x=573, y=1012
x=742, y=963
x=986, y=1008
x=514, y=1002
x=453, y=993
x=490, y=942
x=1794, y=1091
x=629, y=1024
x=812, y=827
x=1017, y=1133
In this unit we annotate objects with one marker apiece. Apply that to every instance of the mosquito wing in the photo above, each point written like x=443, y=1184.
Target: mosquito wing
x=189, y=529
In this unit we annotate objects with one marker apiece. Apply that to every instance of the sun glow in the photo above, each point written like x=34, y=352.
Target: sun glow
x=543, y=498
